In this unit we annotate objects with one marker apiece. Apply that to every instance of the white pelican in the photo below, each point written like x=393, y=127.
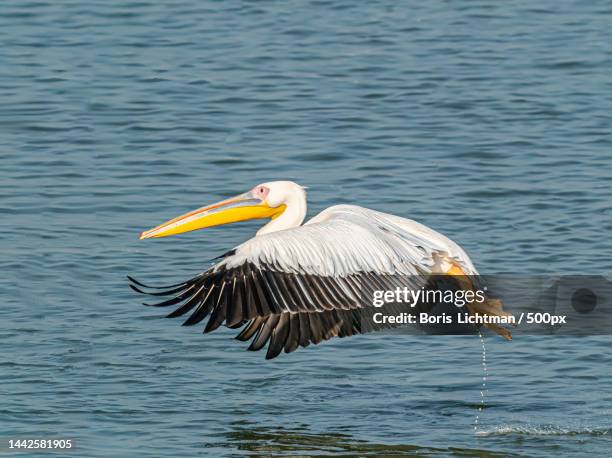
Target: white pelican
x=293, y=284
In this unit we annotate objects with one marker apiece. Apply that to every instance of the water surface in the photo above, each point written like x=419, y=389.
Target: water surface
x=490, y=123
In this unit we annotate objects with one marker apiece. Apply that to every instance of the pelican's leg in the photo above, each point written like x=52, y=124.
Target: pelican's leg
x=489, y=307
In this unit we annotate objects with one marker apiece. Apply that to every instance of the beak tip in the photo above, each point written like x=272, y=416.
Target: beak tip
x=142, y=236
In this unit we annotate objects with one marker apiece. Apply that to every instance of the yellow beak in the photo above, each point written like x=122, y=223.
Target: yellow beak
x=240, y=208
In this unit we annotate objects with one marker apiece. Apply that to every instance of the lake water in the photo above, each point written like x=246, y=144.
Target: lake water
x=488, y=122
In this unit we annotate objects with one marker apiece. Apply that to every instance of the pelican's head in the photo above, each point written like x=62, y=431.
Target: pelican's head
x=282, y=201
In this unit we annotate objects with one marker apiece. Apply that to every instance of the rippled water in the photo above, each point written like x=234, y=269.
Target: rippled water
x=488, y=122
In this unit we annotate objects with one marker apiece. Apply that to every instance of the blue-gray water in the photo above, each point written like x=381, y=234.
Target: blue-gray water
x=489, y=122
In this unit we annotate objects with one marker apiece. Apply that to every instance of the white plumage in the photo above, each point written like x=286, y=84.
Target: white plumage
x=348, y=239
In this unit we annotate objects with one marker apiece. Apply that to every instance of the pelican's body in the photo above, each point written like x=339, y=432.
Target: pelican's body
x=295, y=284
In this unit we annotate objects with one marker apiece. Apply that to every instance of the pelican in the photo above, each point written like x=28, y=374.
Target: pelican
x=297, y=284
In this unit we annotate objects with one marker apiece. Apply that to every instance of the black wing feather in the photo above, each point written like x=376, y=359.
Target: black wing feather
x=281, y=309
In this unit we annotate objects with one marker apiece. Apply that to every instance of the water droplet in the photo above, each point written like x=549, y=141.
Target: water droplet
x=484, y=391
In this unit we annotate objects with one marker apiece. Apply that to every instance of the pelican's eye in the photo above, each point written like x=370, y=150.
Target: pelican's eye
x=261, y=192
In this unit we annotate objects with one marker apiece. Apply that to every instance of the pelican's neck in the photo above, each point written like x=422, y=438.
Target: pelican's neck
x=294, y=213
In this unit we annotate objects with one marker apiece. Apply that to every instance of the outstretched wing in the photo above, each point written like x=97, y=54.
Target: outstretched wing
x=303, y=285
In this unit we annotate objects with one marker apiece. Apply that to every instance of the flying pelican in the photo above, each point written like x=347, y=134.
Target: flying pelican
x=293, y=284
